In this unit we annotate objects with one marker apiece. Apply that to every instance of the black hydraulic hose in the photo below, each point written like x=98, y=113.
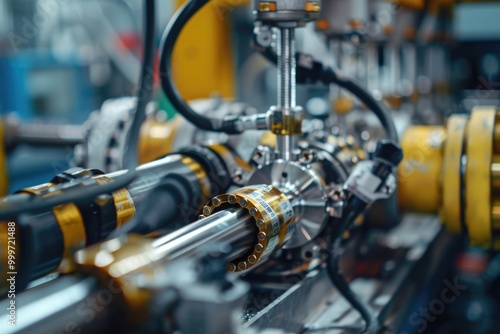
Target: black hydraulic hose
x=71, y=192
x=146, y=87
x=169, y=38
x=311, y=71
x=339, y=281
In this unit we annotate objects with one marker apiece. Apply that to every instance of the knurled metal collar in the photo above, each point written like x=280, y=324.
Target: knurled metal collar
x=273, y=214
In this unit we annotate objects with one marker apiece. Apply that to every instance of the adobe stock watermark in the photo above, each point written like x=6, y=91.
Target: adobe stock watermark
x=46, y=10
x=436, y=307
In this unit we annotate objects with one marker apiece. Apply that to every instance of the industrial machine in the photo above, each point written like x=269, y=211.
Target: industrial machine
x=369, y=209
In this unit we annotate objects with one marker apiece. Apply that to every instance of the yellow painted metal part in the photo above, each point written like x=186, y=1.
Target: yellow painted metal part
x=478, y=176
x=202, y=61
x=4, y=184
x=124, y=205
x=268, y=139
x=112, y=263
x=437, y=178
x=419, y=187
x=343, y=105
x=201, y=175
x=452, y=206
x=72, y=227
x=157, y=139
x=70, y=222
x=411, y=4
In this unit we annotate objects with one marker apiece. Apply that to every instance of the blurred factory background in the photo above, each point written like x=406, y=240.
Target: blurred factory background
x=61, y=59
x=68, y=69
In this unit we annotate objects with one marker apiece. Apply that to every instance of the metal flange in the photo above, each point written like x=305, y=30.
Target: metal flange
x=272, y=212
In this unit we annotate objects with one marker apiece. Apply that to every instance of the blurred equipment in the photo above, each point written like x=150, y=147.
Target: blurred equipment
x=40, y=87
x=191, y=211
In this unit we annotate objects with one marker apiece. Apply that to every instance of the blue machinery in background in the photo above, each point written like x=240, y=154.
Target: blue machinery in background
x=40, y=88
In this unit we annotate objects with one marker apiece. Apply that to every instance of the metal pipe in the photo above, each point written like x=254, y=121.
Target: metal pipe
x=286, y=68
x=49, y=134
x=286, y=143
x=232, y=226
x=44, y=241
x=70, y=302
x=72, y=298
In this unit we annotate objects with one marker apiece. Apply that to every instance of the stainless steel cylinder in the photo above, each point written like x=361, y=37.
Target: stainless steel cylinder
x=233, y=226
x=286, y=146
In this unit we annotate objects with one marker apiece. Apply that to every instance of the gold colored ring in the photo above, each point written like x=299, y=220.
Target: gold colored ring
x=124, y=205
x=230, y=157
x=452, y=204
x=272, y=212
x=201, y=175
x=72, y=227
x=39, y=190
x=478, y=176
x=288, y=125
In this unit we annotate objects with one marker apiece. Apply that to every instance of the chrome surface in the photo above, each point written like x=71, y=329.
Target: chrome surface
x=234, y=227
x=306, y=193
x=313, y=305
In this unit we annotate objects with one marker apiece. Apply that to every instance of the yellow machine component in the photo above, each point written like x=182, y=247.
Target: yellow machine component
x=272, y=213
x=452, y=165
x=421, y=169
x=286, y=125
x=268, y=139
x=455, y=171
x=112, y=261
x=411, y=4
x=124, y=205
x=203, y=54
x=70, y=222
x=72, y=228
x=201, y=175
x=343, y=105
x=4, y=184
x=478, y=176
x=233, y=161
x=157, y=139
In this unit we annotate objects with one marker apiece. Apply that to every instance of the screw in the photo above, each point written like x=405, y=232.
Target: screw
x=207, y=211
x=216, y=202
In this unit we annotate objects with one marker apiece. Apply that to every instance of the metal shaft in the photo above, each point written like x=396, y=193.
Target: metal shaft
x=49, y=135
x=286, y=68
x=70, y=296
x=286, y=144
x=233, y=226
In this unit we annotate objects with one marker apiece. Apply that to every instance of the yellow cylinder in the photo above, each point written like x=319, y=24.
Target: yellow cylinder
x=420, y=172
